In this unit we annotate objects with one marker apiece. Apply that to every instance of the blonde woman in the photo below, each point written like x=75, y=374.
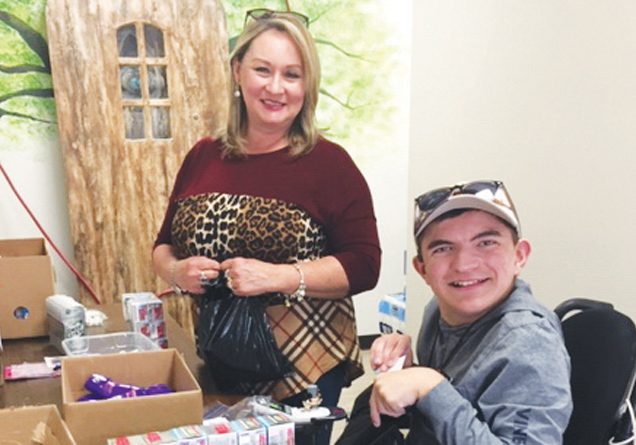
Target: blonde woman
x=275, y=211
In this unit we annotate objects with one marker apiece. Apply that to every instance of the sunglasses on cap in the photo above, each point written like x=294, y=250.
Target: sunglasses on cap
x=264, y=13
x=489, y=196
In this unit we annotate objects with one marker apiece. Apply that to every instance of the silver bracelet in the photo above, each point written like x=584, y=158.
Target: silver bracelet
x=298, y=294
x=173, y=281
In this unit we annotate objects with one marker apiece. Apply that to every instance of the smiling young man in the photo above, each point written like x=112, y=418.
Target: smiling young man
x=493, y=368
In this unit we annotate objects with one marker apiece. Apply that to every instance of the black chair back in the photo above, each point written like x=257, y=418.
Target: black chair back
x=602, y=346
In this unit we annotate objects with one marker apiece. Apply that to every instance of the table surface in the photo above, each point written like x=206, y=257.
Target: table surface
x=49, y=390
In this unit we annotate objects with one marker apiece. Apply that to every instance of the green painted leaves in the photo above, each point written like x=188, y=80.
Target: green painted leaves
x=27, y=107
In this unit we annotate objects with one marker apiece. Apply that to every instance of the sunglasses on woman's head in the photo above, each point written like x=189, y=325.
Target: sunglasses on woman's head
x=264, y=13
x=492, y=191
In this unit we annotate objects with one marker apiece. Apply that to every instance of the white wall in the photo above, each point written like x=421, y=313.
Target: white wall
x=540, y=94
x=37, y=173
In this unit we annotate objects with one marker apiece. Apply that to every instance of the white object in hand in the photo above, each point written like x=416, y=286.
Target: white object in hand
x=399, y=364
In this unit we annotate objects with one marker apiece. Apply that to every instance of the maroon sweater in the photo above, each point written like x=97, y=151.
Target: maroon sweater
x=325, y=183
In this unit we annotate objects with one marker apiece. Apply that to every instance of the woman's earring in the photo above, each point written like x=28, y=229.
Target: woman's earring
x=237, y=93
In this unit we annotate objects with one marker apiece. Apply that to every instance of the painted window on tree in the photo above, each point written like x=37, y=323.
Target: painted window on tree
x=143, y=78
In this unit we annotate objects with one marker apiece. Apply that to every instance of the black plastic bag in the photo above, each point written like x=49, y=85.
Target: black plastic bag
x=235, y=339
x=361, y=431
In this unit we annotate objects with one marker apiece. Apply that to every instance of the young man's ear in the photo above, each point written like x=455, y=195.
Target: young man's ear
x=522, y=252
x=418, y=265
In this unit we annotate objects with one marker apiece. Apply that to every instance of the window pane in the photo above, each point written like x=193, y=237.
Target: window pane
x=160, y=122
x=154, y=41
x=130, y=82
x=134, y=120
x=157, y=82
x=127, y=41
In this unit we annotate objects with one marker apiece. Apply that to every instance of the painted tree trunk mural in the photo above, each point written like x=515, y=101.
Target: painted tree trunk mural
x=119, y=176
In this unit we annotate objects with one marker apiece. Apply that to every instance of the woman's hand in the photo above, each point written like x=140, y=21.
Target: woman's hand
x=387, y=349
x=190, y=273
x=248, y=277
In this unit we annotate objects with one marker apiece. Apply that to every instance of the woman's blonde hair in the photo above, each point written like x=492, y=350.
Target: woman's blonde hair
x=303, y=133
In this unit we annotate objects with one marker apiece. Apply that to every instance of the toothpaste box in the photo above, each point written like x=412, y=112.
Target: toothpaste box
x=249, y=431
x=141, y=306
x=144, y=312
x=190, y=435
x=219, y=431
x=154, y=437
x=183, y=435
x=280, y=429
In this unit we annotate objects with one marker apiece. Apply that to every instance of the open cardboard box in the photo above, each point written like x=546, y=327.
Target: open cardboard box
x=95, y=422
x=26, y=280
x=1, y=361
x=17, y=426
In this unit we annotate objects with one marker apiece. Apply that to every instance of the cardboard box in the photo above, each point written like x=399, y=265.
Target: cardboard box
x=26, y=280
x=17, y=425
x=1, y=362
x=96, y=421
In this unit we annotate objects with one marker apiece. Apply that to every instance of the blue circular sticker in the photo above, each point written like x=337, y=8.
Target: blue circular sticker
x=21, y=313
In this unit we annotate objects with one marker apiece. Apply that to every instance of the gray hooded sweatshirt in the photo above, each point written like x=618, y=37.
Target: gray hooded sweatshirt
x=509, y=377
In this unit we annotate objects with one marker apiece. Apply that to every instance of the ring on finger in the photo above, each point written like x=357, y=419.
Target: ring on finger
x=202, y=277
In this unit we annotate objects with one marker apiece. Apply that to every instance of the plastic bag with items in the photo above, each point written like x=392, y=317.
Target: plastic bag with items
x=235, y=339
x=255, y=406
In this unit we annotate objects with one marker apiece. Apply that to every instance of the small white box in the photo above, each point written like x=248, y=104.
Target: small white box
x=182, y=435
x=66, y=318
x=152, y=329
x=144, y=313
x=141, y=306
x=280, y=429
x=219, y=432
x=249, y=431
x=191, y=435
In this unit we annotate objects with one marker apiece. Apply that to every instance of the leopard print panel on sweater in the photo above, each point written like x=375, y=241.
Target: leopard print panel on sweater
x=222, y=226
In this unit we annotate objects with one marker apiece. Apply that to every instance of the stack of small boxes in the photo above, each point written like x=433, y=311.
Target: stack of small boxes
x=144, y=312
x=275, y=429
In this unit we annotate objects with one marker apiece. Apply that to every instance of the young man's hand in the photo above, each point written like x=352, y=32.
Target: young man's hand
x=393, y=392
x=387, y=349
